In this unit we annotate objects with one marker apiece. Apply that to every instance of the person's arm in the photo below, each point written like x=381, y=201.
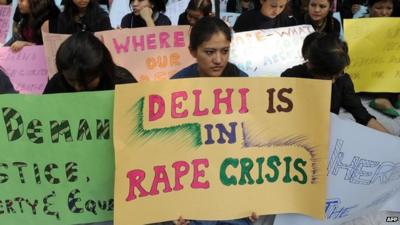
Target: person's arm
x=374, y=124
x=18, y=45
x=147, y=14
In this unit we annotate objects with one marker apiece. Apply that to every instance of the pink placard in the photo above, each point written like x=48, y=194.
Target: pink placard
x=5, y=16
x=26, y=69
x=150, y=53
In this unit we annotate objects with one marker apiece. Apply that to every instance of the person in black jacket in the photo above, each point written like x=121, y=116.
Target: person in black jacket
x=240, y=6
x=145, y=13
x=82, y=15
x=270, y=15
x=327, y=57
x=85, y=64
x=28, y=19
x=195, y=10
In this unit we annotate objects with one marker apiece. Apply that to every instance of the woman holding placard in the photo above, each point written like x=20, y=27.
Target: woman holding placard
x=28, y=19
x=85, y=64
x=82, y=15
x=271, y=15
x=326, y=58
x=145, y=13
x=386, y=103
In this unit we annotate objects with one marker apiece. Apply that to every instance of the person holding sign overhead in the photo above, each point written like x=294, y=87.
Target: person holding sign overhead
x=326, y=58
x=210, y=39
x=271, y=15
x=82, y=15
x=145, y=13
x=85, y=64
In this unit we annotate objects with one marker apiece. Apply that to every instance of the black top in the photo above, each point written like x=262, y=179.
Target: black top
x=98, y=21
x=343, y=94
x=332, y=25
x=34, y=29
x=5, y=84
x=132, y=21
x=183, y=19
x=255, y=20
x=231, y=70
x=58, y=84
x=234, y=6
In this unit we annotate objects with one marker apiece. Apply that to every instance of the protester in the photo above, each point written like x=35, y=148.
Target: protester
x=5, y=83
x=195, y=10
x=386, y=103
x=210, y=39
x=380, y=8
x=28, y=19
x=327, y=56
x=145, y=13
x=85, y=64
x=82, y=15
x=270, y=15
x=319, y=15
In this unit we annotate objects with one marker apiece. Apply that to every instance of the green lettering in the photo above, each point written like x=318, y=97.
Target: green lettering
x=227, y=181
x=273, y=163
x=300, y=170
x=247, y=165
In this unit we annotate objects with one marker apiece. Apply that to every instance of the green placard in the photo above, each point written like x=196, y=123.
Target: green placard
x=56, y=158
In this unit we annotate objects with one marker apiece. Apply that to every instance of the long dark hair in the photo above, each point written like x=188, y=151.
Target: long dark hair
x=93, y=10
x=327, y=55
x=41, y=10
x=205, y=28
x=83, y=57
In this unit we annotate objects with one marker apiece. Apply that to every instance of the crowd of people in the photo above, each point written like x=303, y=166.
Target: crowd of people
x=85, y=64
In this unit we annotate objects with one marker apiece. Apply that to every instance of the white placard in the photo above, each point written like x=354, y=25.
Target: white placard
x=268, y=52
x=363, y=175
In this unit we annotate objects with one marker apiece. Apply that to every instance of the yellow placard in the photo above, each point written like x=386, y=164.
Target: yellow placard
x=216, y=149
x=374, y=50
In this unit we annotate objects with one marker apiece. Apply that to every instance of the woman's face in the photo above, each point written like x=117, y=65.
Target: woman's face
x=381, y=9
x=138, y=5
x=24, y=6
x=212, y=55
x=81, y=4
x=318, y=9
x=272, y=8
x=193, y=16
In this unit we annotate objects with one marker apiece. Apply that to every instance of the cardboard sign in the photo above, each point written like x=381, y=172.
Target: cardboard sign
x=51, y=43
x=374, y=50
x=155, y=53
x=26, y=69
x=56, y=164
x=5, y=17
x=363, y=174
x=220, y=148
x=268, y=52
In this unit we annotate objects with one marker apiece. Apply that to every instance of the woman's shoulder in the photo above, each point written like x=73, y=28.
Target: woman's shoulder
x=246, y=21
x=162, y=20
x=126, y=20
x=187, y=72
x=299, y=71
x=123, y=76
x=233, y=71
